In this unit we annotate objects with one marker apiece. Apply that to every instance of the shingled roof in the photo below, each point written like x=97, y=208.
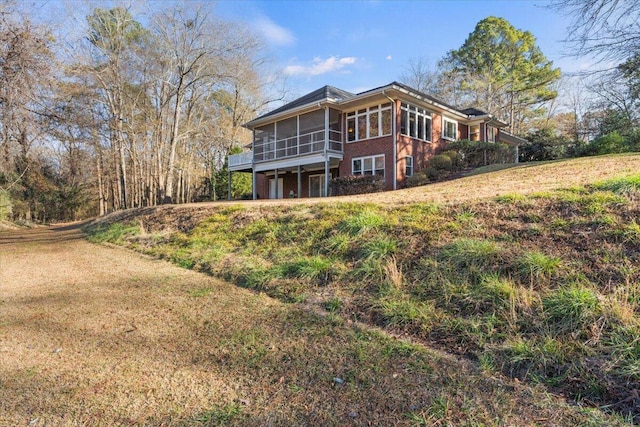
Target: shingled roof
x=319, y=95
x=474, y=112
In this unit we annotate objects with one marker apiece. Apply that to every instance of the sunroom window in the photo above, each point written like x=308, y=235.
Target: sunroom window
x=415, y=122
x=369, y=122
x=449, y=129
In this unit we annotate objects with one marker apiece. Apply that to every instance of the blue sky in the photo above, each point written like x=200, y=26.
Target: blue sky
x=359, y=45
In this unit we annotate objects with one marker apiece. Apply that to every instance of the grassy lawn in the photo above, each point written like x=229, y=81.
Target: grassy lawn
x=92, y=335
x=538, y=286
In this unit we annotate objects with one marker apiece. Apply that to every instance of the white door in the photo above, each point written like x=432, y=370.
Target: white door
x=316, y=186
x=272, y=188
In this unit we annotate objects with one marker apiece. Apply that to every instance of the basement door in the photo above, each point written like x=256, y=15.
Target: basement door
x=272, y=188
x=316, y=185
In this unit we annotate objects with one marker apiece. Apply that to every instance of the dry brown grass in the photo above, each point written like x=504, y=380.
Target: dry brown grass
x=525, y=178
x=92, y=335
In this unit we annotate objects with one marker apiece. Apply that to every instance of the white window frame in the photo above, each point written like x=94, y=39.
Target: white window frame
x=408, y=165
x=444, y=129
x=373, y=165
x=491, y=133
x=366, y=113
x=322, y=184
x=423, y=116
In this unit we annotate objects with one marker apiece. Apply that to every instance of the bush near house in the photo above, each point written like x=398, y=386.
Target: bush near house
x=459, y=156
x=474, y=154
x=355, y=184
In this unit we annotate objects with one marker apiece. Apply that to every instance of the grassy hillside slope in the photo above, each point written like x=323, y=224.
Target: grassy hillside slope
x=541, y=286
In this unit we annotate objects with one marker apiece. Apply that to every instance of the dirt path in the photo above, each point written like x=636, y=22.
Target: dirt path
x=99, y=336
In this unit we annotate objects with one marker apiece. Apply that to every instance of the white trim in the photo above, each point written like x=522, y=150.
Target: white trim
x=421, y=114
x=444, y=128
x=368, y=111
x=373, y=164
x=406, y=166
x=322, y=181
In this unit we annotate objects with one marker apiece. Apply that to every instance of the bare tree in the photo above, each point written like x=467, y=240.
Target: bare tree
x=606, y=30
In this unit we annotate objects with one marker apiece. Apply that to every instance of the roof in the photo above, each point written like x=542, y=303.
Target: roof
x=339, y=96
x=510, y=138
x=325, y=93
x=474, y=112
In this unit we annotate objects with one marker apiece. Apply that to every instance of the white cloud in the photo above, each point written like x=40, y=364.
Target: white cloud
x=274, y=33
x=320, y=66
x=389, y=58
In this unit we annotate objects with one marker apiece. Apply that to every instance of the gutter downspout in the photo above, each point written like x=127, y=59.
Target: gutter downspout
x=395, y=140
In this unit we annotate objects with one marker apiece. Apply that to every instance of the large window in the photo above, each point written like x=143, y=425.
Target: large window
x=449, y=129
x=372, y=165
x=369, y=123
x=415, y=122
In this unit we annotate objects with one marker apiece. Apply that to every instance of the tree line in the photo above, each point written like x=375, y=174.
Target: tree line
x=500, y=69
x=144, y=109
x=134, y=115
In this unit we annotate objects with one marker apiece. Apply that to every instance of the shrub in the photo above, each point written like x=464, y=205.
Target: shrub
x=441, y=162
x=418, y=178
x=475, y=154
x=456, y=159
x=356, y=184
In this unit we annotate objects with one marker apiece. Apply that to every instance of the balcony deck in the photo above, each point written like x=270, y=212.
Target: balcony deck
x=305, y=148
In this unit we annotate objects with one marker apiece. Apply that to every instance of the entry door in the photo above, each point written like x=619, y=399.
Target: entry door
x=316, y=185
x=272, y=188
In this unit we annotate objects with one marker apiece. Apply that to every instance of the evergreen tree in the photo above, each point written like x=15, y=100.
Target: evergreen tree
x=503, y=72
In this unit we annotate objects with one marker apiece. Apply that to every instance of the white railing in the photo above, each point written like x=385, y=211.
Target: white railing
x=242, y=159
x=298, y=145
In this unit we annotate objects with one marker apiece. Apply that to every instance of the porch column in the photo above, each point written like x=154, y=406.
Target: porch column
x=299, y=181
x=276, y=184
x=254, y=183
x=517, y=154
x=326, y=151
x=326, y=176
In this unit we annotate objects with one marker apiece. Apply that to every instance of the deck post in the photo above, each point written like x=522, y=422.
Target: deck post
x=326, y=177
x=253, y=165
x=326, y=151
x=299, y=181
x=276, y=184
x=254, y=183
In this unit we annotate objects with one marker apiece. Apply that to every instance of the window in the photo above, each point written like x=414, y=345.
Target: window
x=474, y=132
x=449, y=129
x=491, y=134
x=372, y=165
x=408, y=166
x=415, y=122
x=369, y=122
x=351, y=129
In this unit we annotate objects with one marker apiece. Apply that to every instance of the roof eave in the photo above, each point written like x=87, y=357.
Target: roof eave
x=270, y=118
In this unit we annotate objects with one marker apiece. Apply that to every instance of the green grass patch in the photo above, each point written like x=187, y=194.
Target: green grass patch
x=542, y=287
x=112, y=233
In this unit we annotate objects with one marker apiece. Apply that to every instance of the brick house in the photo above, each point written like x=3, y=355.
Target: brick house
x=390, y=131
